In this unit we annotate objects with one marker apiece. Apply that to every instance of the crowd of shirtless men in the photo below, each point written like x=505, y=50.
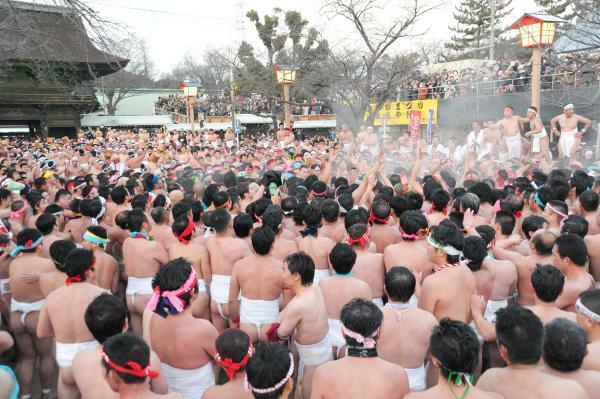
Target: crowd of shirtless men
x=188, y=265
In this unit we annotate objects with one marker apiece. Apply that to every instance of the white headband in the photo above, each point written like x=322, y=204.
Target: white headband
x=569, y=106
x=586, y=312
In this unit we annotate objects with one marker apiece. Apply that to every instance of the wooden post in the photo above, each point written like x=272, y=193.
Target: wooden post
x=536, y=78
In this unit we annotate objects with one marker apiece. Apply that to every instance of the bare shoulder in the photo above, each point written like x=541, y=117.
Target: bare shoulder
x=489, y=378
x=556, y=387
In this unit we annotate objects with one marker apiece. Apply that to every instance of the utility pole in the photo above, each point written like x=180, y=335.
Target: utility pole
x=492, y=28
x=232, y=98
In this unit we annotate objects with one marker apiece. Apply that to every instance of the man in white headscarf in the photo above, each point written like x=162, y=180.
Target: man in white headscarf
x=569, y=133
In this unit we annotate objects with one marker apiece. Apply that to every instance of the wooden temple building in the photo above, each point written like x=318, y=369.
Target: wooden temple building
x=47, y=67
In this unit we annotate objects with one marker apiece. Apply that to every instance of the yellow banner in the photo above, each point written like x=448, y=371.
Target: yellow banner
x=397, y=113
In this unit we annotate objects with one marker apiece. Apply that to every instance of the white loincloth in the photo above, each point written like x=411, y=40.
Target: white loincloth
x=417, y=378
x=535, y=140
x=335, y=333
x=379, y=302
x=492, y=307
x=4, y=286
x=413, y=301
x=319, y=274
x=567, y=141
x=139, y=285
x=259, y=312
x=201, y=284
x=25, y=307
x=219, y=291
x=190, y=384
x=474, y=328
x=314, y=354
x=513, y=146
x=65, y=353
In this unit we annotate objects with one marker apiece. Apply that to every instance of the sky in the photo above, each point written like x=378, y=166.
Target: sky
x=175, y=28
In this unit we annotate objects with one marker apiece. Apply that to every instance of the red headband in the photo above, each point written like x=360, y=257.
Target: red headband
x=187, y=232
x=433, y=209
x=362, y=240
x=232, y=367
x=373, y=218
x=134, y=368
x=321, y=194
x=410, y=236
x=77, y=279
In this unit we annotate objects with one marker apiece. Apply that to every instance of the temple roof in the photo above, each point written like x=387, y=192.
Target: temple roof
x=48, y=33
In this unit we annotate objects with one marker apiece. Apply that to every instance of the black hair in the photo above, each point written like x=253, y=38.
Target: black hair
x=521, y=332
x=486, y=232
x=269, y=365
x=319, y=187
x=179, y=226
x=242, y=224
x=544, y=242
x=362, y=317
x=302, y=264
x=123, y=348
x=429, y=187
x=440, y=199
x=483, y=191
x=160, y=200
x=122, y=219
x=159, y=214
x=135, y=220
x=506, y=221
x=581, y=181
x=26, y=235
x=531, y=224
x=45, y=223
x=565, y=345
x=105, y=316
x=415, y=200
x=589, y=201
x=58, y=252
x=357, y=230
x=53, y=208
x=288, y=204
x=470, y=201
x=456, y=218
x=347, y=202
x=560, y=206
x=342, y=258
x=312, y=214
x=233, y=344
x=575, y=225
x=447, y=235
x=475, y=251
x=544, y=194
x=381, y=210
x=180, y=208
x=262, y=240
x=399, y=284
x=591, y=299
x=98, y=231
x=455, y=345
x=139, y=201
x=411, y=223
x=220, y=198
x=171, y=277
x=77, y=262
x=399, y=205
x=220, y=219
x=573, y=247
x=330, y=210
x=353, y=217
x=547, y=282
x=196, y=207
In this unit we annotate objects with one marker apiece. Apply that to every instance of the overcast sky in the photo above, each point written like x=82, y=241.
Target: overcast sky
x=173, y=28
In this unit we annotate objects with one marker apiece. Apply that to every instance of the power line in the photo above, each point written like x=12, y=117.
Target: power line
x=150, y=10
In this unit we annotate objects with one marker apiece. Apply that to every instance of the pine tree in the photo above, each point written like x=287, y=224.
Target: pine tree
x=559, y=8
x=471, y=38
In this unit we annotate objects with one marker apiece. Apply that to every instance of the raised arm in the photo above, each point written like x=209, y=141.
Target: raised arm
x=586, y=123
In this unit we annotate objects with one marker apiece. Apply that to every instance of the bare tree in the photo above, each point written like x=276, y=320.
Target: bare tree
x=586, y=30
x=369, y=72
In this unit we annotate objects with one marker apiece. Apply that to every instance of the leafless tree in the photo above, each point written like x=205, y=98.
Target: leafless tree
x=586, y=30
x=369, y=73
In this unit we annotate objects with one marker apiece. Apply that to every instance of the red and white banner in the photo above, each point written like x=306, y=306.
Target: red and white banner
x=414, y=124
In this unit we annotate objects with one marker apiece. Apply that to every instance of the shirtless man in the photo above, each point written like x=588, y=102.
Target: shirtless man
x=120, y=197
x=592, y=242
x=76, y=227
x=333, y=226
x=304, y=318
x=555, y=213
x=455, y=352
x=588, y=317
x=57, y=278
x=118, y=355
x=588, y=208
x=361, y=374
x=369, y=266
x=409, y=252
x=63, y=317
x=548, y=284
x=142, y=257
x=161, y=230
x=234, y=349
x=106, y=269
x=315, y=246
x=46, y=224
x=439, y=203
x=382, y=234
x=570, y=135
x=510, y=129
x=541, y=253
x=281, y=247
x=258, y=278
x=269, y=371
x=518, y=327
x=405, y=329
x=346, y=138
x=475, y=252
x=186, y=361
x=564, y=351
x=224, y=251
x=540, y=147
x=447, y=292
x=26, y=303
x=339, y=289
x=242, y=227
x=105, y=317
x=570, y=256
x=184, y=230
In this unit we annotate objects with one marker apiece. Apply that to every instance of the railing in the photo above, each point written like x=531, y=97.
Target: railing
x=504, y=86
x=36, y=98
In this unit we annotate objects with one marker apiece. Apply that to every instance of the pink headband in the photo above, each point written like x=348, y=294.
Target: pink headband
x=173, y=296
x=410, y=236
x=367, y=342
x=249, y=387
x=559, y=213
x=19, y=213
